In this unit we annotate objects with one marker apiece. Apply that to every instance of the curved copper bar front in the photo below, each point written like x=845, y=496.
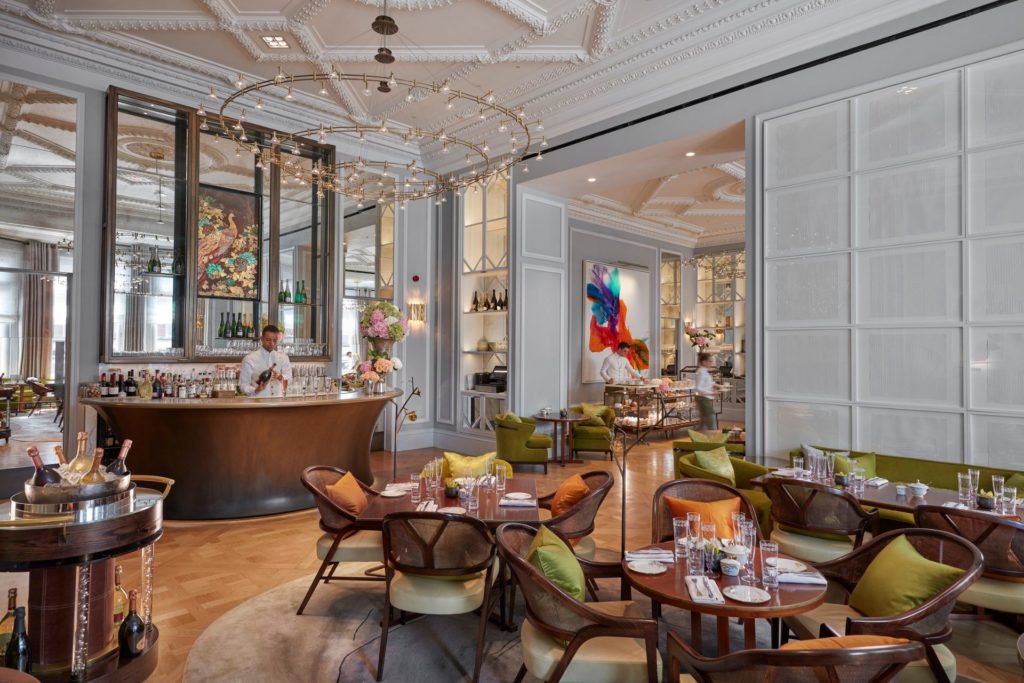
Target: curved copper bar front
x=242, y=457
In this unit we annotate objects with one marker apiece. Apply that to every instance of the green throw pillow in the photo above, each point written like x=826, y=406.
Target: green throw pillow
x=558, y=562
x=508, y=417
x=1017, y=481
x=718, y=462
x=595, y=421
x=899, y=579
x=701, y=437
x=847, y=460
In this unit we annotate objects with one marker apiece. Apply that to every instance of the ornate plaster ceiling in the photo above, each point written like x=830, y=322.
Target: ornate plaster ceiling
x=569, y=62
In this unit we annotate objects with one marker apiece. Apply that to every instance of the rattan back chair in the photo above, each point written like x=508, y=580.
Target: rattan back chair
x=876, y=664
x=437, y=545
x=818, y=508
x=578, y=521
x=335, y=521
x=1000, y=540
x=555, y=613
x=700, y=490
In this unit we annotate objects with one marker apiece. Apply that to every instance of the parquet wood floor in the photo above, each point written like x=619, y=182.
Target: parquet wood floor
x=203, y=569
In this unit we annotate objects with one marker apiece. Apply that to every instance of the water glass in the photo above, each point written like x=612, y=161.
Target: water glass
x=693, y=525
x=749, y=536
x=695, y=560
x=500, y=475
x=798, y=464
x=1009, y=500
x=681, y=536
x=414, y=494
x=857, y=474
x=830, y=468
x=472, y=495
x=997, y=487
x=438, y=472
x=963, y=484
x=737, y=524
x=975, y=480
x=769, y=564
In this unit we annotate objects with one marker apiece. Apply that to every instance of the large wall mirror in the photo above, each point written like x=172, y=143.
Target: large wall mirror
x=369, y=246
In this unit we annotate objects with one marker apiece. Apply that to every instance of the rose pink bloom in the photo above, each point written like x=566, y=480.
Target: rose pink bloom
x=377, y=316
x=365, y=366
x=701, y=341
x=691, y=330
x=379, y=329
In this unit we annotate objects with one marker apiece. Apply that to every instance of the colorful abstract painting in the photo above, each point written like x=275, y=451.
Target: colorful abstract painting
x=616, y=309
x=229, y=244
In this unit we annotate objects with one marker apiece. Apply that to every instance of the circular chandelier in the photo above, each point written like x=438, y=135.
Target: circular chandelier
x=366, y=179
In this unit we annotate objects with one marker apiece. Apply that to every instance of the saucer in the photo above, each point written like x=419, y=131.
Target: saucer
x=749, y=594
x=651, y=567
x=787, y=566
x=453, y=510
x=518, y=495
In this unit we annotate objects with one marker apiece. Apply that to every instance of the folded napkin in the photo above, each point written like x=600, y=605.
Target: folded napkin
x=426, y=506
x=704, y=590
x=516, y=503
x=656, y=554
x=876, y=481
x=951, y=504
x=813, y=578
x=401, y=486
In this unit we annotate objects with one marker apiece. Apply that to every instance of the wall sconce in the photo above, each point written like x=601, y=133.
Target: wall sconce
x=417, y=312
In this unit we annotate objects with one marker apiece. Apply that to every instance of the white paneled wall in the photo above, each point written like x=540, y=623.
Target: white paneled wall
x=893, y=279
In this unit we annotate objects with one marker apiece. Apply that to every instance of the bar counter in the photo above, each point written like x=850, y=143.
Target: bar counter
x=242, y=457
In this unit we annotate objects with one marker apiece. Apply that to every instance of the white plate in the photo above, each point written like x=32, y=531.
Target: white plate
x=518, y=495
x=453, y=510
x=392, y=493
x=750, y=594
x=787, y=566
x=647, y=567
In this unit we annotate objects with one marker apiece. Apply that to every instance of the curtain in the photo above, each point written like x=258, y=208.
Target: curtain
x=134, y=322
x=37, y=312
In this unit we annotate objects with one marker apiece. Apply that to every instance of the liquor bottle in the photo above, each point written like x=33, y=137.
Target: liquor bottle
x=7, y=623
x=82, y=462
x=18, y=654
x=121, y=389
x=280, y=292
x=149, y=263
x=58, y=450
x=131, y=636
x=131, y=389
x=146, y=387
x=220, y=328
x=43, y=475
x=180, y=390
x=94, y=476
x=120, y=598
x=476, y=303
x=118, y=467
x=179, y=263
x=103, y=385
x=158, y=385
x=504, y=300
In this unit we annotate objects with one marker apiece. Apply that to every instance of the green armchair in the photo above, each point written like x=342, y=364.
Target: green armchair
x=517, y=443
x=592, y=437
x=686, y=466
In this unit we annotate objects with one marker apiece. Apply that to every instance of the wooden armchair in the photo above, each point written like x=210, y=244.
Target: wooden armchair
x=927, y=623
x=700, y=490
x=816, y=522
x=577, y=523
x=345, y=539
x=40, y=391
x=1001, y=542
x=871, y=664
x=568, y=641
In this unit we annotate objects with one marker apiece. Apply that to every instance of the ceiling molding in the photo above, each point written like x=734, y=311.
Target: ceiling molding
x=737, y=169
x=632, y=224
x=726, y=237
x=697, y=211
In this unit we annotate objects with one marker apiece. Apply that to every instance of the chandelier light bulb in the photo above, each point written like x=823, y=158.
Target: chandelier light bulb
x=449, y=105
x=242, y=136
x=240, y=82
x=213, y=93
x=391, y=81
x=408, y=98
x=259, y=103
x=359, y=205
x=259, y=162
x=483, y=115
x=445, y=87
x=202, y=124
x=489, y=98
x=334, y=74
x=200, y=112
x=280, y=75
x=289, y=96
x=540, y=125
x=366, y=87
x=526, y=168
x=323, y=88
x=486, y=147
x=502, y=128
x=274, y=140
x=543, y=142
x=540, y=156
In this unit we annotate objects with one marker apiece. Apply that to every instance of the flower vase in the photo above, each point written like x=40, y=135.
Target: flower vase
x=380, y=387
x=381, y=346
x=368, y=388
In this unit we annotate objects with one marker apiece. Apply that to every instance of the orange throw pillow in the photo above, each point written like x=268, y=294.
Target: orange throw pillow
x=843, y=642
x=717, y=511
x=347, y=494
x=572, y=491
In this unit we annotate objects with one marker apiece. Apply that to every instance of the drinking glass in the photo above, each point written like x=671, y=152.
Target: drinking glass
x=963, y=484
x=798, y=465
x=1009, y=500
x=815, y=466
x=499, y=478
x=435, y=477
x=693, y=525
x=975, y=480
x=997, y=488
x=737, y=524
x=472, y=495
x=857, y=480
x=695, y=559
x=830, y=468
x=414, y=494
x=749, y=535
x=709, y=539
x=769, y=564
x=681, y=536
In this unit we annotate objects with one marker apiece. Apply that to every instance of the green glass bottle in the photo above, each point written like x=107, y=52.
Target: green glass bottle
x=220, y=329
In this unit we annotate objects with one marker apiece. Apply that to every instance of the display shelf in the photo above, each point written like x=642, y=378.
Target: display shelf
x=490, y=271
x=488, y=394
x=148, y=274
x=502, y=313
x=487, y=353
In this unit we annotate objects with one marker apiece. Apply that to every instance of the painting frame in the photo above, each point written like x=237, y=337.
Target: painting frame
x=635, y=291
x=216, y=261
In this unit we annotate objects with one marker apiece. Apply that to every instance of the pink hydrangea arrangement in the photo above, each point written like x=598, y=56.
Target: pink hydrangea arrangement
x=366, y=366
x=383, y=320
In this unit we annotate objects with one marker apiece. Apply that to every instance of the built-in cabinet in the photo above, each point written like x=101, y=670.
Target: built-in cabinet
x=670, y=301
x=721, y=297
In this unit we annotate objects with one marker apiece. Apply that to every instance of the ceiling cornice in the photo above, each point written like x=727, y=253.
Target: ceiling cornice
x=609, y=218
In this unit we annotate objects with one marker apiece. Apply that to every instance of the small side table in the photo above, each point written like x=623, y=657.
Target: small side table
x=560, y=435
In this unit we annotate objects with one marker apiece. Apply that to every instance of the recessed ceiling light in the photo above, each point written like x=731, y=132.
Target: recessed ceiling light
x=691, y=154
x=275, y=42
x=591, y=180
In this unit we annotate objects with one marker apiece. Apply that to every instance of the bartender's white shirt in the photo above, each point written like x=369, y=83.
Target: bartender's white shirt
x=616, y=369
x=258, y=361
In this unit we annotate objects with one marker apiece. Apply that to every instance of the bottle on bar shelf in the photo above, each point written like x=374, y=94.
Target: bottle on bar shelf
x=287, y=292
x=103, y=385
x=82, y=462
x=158, y=386
x=94, y=476
x=238, y=327
x=146, y=386
x=475, y=306
x=7, y=623
x=131, y=636
x=118, y=467
x=58, y=450
x=18, y=654
x=122, y=390
x=131, y=389
x=42, y=475
x=220, y=328
x=120, y=598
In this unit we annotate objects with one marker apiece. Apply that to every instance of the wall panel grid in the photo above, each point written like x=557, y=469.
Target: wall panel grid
x=892, y=298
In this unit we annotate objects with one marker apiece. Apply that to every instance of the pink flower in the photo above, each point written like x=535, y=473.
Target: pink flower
x=691, y=330
x=383, y=365
x=700, y=341
x=365, y=366
x=377, y=316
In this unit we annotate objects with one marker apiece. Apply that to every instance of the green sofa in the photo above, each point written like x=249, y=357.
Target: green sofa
x=686, y=466
x=517, y=444
x=588, y=437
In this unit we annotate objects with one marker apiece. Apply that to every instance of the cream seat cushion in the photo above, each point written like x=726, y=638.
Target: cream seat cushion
x=1005, y=596
x=423, y=595
x=918, y=671
x=599, y=660
x=362, y=546
x=812, y=549
x=585, y=548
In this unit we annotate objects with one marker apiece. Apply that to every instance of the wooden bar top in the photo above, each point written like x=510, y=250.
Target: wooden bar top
x=239, y=401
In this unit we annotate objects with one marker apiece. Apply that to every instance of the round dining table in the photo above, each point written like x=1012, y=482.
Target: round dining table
x=561, y=426
x=670, y=588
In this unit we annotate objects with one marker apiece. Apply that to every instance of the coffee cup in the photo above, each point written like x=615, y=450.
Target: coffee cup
x=730, y=567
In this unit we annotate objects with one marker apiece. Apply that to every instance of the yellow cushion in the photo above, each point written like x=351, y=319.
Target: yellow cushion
x=899, y=579
x=570, y=492
x=469, y=465
x=718, y=462
x=362, y=546
x=1005, y=596
x=843, y=642
x=810, y=548
x=717, y=511
x=556, y=561
x=918, y=671
x=508, y=416
x=701, y=437
x=347, y=494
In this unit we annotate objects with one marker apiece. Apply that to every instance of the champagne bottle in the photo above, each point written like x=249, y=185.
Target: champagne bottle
x=58, y=450
x=504, y=300
x=82, y=462
x=18, y=654
x=220, y=328
x=7, y=623
x=494, y=301
x=267, y=374
x=131, y=637
x=287, y=292
x=238, y=327
x=94, y=476
x=157, y=268
x=42, y=475
x=118, y=467
x=120, y=598
x=475, y=306
x=280, y=292
x=179, y=263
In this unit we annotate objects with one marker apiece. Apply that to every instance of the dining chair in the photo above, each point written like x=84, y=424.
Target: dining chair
x=835, y=662
x=345, y=539
x=928, y=623
x=577, y=523
x=1001, y=542
x=564, y=640
x=438, y=563
x=816, y=522
x=699, y=490
x=40, y=391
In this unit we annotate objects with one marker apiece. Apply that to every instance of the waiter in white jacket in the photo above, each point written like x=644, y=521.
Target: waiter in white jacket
x=616, y=368
x=267, y=357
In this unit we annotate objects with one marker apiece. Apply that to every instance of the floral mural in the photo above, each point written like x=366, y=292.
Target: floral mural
x=229, y=244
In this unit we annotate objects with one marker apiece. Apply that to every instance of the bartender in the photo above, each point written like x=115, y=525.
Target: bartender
x=616, y=368
x=267, y=357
